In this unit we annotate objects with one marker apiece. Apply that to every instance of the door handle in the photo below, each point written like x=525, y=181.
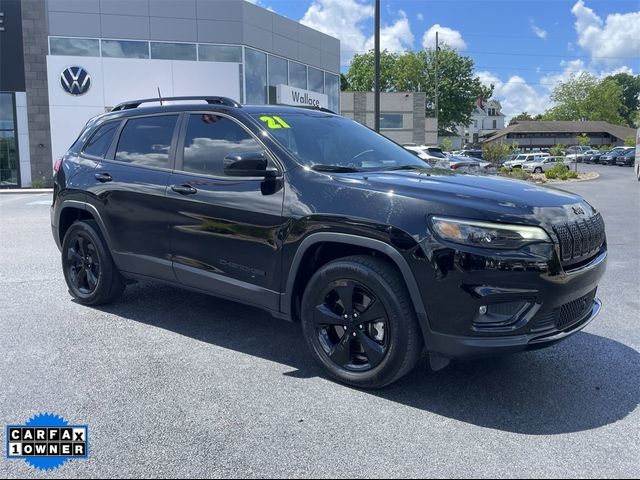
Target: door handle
x=103, y=177
x=184, y=189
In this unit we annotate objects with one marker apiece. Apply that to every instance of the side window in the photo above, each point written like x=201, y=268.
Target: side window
x=210, y=138
x=100, y=141
x=147, y=141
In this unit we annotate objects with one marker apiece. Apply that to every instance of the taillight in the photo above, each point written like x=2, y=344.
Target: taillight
x=56, y=166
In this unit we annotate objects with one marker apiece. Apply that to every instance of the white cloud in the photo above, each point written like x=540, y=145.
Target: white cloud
x=515, y=95
x=345, y=19
x=448, y=36
x=396, y=37
x=539, y=32
x=617, y=36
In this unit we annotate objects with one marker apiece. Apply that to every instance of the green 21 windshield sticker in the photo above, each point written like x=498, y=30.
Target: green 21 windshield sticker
x=275, y=122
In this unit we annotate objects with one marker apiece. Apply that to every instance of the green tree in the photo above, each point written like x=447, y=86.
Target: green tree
x=630, y=141
x=458, y=87
x=447, y=144
x=360, y=73
x=630, y=86
x=344, y=83
x=495, y=151
x=584, y=139
x=584, y=97
x=557, y=150
x=520, y=117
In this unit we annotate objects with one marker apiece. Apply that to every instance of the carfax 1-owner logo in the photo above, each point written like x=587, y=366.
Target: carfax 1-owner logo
x=47, y=441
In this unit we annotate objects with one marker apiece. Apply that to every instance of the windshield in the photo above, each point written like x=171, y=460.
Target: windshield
x=436, y=152
x=333, y=141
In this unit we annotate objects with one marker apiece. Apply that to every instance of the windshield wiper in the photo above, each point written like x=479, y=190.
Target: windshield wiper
x=333, y=168
x=407, y=167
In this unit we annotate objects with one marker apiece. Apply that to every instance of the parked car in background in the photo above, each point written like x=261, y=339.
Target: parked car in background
x=433, y=155
x=543, y=164
x=463, y=164
x=487, y=167
x=627, y=159
x=577, y=152
x=610, y=157
x=524, y=157
x=593, y=157
x=475, y=153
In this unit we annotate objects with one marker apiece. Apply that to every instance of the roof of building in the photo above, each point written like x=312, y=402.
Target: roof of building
x=560, y=126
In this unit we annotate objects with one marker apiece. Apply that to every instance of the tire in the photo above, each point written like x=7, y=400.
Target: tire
x=382, y=340
x=538, y=170
x=88, y=267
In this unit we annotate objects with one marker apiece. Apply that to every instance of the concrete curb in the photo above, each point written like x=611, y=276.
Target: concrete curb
x=562, y=182
x=25, y=190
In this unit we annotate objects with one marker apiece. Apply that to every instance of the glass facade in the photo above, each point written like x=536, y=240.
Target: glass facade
x=255, y=76
x=9, y=161
x=174, y=51
x=392, y=120
x=258, y=70
x=125, y=49
x=297, y=75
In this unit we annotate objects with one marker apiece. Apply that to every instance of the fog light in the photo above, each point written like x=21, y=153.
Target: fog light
x=483, y=309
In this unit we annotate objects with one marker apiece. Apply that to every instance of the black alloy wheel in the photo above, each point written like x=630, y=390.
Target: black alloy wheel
x=351, y=325
x=359, y=321
x=538, y=170
x=88, y=267
x=83, y=264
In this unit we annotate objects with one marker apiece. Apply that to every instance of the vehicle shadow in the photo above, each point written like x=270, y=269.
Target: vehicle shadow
x=583, y=383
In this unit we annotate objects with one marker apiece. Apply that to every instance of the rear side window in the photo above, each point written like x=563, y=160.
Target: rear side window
x=209, y=139
x=100, y=141
x=147, y=141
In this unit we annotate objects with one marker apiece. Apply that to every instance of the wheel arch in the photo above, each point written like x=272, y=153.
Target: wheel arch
x=309, y=257
x=73, y=210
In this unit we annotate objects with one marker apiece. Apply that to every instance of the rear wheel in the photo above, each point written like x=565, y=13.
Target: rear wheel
x=88, y=267
x=538, y=170
x=359, y=323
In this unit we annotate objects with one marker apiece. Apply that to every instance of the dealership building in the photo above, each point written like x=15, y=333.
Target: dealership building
x=65, y=61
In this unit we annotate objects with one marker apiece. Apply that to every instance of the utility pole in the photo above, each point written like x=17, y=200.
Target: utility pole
x=436, y=62
x=376, y=69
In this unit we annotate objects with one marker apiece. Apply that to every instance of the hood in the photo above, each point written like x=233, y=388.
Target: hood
x=491, y=197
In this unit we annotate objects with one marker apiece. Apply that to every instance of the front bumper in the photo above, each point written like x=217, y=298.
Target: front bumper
x=451, y=346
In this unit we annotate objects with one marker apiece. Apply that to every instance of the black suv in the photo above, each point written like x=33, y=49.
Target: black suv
x=319, y=220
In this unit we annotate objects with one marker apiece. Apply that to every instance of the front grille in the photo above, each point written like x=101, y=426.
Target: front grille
x=576, y=310
x=580, y=239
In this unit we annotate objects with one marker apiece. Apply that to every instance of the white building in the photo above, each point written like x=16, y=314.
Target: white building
x=486, y=119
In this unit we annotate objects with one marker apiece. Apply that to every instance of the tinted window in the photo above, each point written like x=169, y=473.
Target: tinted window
x=80, y=47
x=146, y=141
x=173, y=51
x=125, y=49
x=101, y=140
x=209, y=139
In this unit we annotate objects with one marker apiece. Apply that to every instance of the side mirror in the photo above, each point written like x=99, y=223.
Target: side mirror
x=246, y=164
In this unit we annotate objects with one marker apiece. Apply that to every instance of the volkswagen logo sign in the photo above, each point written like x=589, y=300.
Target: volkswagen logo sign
x=75, y=81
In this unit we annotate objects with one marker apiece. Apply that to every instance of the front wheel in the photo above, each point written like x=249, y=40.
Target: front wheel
x=359, y=323
x=538, y=170
x=88, y=267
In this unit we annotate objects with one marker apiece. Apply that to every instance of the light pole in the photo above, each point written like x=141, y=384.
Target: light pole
x=376, y=68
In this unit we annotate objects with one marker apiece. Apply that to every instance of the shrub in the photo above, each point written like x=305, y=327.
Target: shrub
x=572, y=174
x=557, y=150
x=37, y=183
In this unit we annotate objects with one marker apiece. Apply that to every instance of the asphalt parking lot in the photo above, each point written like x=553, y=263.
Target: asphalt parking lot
x=174, y=383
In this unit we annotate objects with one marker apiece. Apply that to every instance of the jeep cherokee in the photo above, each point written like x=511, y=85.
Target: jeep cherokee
x=319, y=220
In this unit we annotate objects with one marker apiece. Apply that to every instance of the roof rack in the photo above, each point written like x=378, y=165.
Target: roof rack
x=210, y=100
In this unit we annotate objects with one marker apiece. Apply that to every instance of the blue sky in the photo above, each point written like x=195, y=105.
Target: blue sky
x=523, y=47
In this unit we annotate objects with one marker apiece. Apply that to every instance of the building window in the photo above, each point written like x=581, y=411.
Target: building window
x=495, y=124
x=297, y=75
x=332, y=90
x=173, y=51
x=125, y=49
x=492, y=112
x=255, y=76
x=316, y=80
x=219, y=53
x=277, y=71
x=8, y=152
x=79, y=47
x=392, y=120
x=475, y=124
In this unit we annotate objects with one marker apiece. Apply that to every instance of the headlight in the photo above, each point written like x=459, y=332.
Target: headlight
x=486, y=234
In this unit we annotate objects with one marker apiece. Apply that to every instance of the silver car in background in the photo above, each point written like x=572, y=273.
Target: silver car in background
x=544, y=164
